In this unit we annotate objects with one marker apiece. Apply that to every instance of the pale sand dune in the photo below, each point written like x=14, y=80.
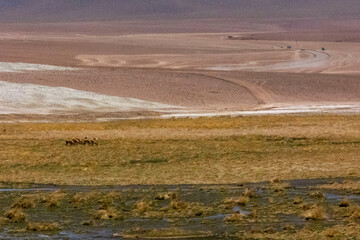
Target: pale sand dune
x=344, y=108
x=19, y=67
x=18, y=98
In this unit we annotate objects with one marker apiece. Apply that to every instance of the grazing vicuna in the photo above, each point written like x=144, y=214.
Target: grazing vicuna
x=76, y=141
x=69, y=143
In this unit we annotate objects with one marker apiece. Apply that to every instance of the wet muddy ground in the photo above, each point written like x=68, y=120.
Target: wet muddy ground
x=180, y=211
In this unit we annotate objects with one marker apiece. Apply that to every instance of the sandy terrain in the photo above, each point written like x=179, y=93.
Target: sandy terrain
x=194, y=72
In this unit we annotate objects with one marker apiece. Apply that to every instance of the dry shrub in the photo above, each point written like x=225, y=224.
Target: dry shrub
x=24, y=202
x=307, y=206
x=344, y=203
x=356, y=213
x=275, y=180
x=236, y=217
x=289, y=228
x=55, y=199
x=331, y=233
x=142, y=206
x=15, y=215
x=317, y=194
x=251, y=193
x=114, y=195
x=88, y=223
x=298, y=200
x=165, y=196
x=107, y=214
x=43, y=227
x=83, y=198
x=279, y=187
x=315, y=213
x=178, y=205
x=240, y=201
x=254, y=213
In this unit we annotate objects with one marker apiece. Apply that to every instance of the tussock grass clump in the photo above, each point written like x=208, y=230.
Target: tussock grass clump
x=331, y=233
x=356, y=213
x=251, y=193
x=107, y=214
x=25, y=202
x=178, y=205
x=240, y=201
x=279, y=187
x=83, y=198
x=15, y=215
x=315, y=213
x=55, y=199
x=317, y=194
x=345, y=202
x=275, y=180
x=78, y=199
x=236, y=217
x=298, y=200
x=88, y=223
x=142, y=206
x=43, y=227
x=166, y=196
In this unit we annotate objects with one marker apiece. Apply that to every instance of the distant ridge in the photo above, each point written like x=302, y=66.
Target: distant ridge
x=104, y=10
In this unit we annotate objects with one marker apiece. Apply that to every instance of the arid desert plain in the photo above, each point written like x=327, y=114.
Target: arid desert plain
x=200, y=125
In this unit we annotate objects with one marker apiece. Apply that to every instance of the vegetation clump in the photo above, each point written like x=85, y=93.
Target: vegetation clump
x=317, y=194
x=43, y=227
x=315, y=213
x=298, y=200
x=24, y=202
x=15, y=215
x=344, y=203
x=107, y=214
x=142, y=206
x=240, y=201
x=55, y=199
x=235, y=217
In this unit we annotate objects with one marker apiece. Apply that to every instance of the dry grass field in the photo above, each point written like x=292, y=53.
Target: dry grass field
x=254, y=177
x=207, y=150
x=276, y=157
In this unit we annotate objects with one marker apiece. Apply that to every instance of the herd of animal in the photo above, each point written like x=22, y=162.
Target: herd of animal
x=85, y=141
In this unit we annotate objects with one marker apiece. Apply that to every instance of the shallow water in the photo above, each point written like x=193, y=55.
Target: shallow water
x=273, y=203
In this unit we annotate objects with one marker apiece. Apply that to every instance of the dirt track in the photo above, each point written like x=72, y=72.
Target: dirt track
x=203, y=72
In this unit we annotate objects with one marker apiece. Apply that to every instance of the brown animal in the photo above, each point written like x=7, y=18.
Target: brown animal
x=76, y=141
x=69, y=143
x=90, y=142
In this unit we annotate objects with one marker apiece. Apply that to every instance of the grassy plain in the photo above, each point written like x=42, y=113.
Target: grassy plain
x=182, y=151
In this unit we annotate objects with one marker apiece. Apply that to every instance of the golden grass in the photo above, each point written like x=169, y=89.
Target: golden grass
x=15, y=215
x=54, y=200
x=235, y=217
x=298, y=200
x=25, y=201
x=42, y=226
x=107, y=214
x=345, y=202
x=315, y=213
x=142, y=206
x=182, y=151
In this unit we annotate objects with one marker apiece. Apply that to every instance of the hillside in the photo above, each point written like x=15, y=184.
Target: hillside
x=104, y=10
